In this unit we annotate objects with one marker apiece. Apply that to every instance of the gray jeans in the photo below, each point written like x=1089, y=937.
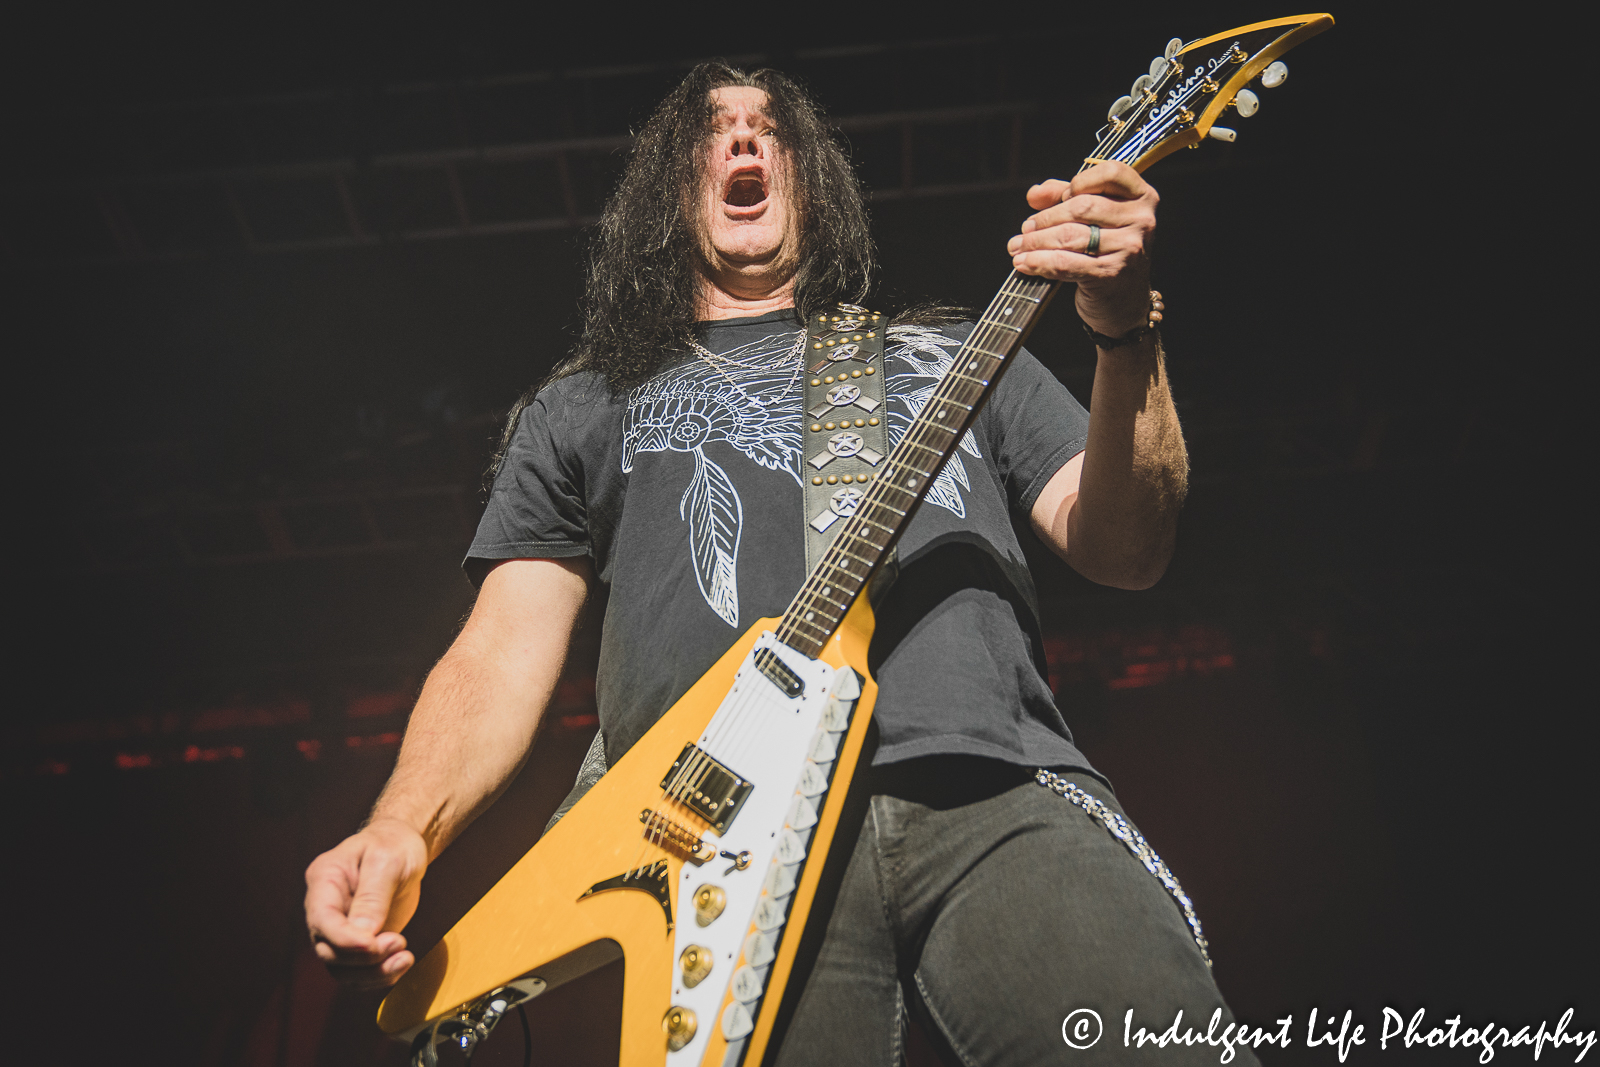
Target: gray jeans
x=993, y=908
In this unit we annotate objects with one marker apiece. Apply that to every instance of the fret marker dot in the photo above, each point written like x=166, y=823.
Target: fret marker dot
x=1007, y=311
x=973, y=365
x=810, y=615
x=827, y=589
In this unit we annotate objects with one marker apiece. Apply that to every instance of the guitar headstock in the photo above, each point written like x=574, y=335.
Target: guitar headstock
x=1188, y=88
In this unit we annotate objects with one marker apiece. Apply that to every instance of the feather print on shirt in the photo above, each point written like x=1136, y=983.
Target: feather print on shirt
x=745, y=401
x=921, y=356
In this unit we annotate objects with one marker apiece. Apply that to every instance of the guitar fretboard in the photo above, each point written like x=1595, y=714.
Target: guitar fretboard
x=899, y=487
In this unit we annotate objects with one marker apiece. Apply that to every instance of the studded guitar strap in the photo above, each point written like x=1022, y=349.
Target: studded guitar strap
x=846, y=419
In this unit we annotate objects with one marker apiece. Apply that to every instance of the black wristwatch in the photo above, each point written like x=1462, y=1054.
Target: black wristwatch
x=1106, y=341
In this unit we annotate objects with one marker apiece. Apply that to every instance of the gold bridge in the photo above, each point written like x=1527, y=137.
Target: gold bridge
x=663, y=831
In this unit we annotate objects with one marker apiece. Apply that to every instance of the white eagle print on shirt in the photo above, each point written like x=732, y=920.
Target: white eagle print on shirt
x=919, y=353
x=744, y=401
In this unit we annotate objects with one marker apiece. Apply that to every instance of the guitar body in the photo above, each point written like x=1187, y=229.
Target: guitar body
x=540, y=919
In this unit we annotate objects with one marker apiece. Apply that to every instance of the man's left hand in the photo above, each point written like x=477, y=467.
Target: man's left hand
x=1114, y=284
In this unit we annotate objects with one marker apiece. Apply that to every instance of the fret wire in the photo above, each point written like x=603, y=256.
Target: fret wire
x=860, y=537
x=801, y=618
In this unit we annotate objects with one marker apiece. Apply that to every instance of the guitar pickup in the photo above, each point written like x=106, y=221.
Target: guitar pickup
x=706, y=787
x=771, y=665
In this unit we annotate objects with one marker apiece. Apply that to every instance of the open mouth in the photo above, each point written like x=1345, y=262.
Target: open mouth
x=745, y=190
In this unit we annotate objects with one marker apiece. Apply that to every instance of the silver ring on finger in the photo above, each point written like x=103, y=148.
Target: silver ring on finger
x=1094, y=241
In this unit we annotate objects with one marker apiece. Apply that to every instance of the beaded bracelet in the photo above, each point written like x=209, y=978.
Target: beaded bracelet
x=1134, y=335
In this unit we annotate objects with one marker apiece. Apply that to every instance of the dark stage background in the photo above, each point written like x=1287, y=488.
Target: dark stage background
x=273, y=279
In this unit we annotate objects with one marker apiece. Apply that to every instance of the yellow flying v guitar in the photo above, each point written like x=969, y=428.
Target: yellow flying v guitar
x=693, y=856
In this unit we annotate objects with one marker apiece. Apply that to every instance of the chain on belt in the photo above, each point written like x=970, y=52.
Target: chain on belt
x=1123, y=831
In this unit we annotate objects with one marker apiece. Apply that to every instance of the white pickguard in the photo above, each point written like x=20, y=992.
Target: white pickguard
x=785, y=747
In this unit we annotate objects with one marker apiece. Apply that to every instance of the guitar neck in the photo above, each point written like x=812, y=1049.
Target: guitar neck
x=898, y=489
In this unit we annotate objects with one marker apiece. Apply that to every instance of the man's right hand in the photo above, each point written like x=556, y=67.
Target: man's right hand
x=359, y=895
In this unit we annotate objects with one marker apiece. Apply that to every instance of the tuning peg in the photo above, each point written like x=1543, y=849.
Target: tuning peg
x=1247, y=103
x=1221, y=133
x=1275, y=75
x=1174, y=46
x=1122, y=104
x=1158, y=67
x=1141, y=85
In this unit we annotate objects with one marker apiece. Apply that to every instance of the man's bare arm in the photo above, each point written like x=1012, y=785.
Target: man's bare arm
x=1112, y=511
x=468, y=736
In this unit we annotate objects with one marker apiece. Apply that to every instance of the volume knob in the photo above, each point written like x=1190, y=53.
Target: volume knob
x=709, y=900
x=679, y=1024
x=696, y=962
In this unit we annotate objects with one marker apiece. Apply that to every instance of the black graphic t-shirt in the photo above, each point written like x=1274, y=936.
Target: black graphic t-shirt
x=686, y=494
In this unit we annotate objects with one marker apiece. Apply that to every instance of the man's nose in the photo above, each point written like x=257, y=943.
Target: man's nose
x=744, y=142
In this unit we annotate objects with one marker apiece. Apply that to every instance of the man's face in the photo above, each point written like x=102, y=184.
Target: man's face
x=748, y=231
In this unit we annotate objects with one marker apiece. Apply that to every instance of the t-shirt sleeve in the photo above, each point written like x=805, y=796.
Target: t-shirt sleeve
x=1034, y=427
x=537, y=507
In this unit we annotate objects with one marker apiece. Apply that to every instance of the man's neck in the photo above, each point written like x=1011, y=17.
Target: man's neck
x=730, y=302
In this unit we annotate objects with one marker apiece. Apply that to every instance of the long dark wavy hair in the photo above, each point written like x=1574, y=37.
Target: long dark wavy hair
x=640, y=304
x=643, y=283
